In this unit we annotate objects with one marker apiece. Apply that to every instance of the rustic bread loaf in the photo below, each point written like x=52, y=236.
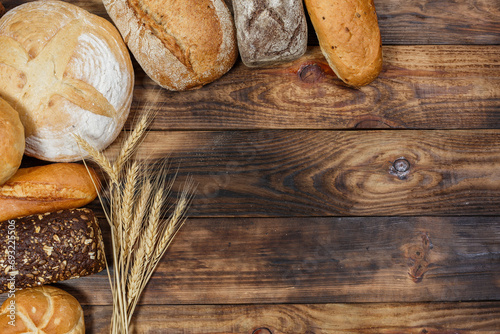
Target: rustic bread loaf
x=43, y=309
x=349, y=37
x=270, y=32
x=11, y=141
x=46, y=189
x=49, y=248
x=179, y=44
x=2, y=9
x=66, y=72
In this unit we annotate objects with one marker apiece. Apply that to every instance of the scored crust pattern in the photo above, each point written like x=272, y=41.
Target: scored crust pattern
x=67, y=74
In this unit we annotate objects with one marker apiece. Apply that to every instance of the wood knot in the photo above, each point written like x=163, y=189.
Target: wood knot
x=310, y=73
x=262, y=330
x=418, y=258
x=400, y=168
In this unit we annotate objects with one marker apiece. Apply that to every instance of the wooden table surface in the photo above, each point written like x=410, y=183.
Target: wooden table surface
x=325, y=209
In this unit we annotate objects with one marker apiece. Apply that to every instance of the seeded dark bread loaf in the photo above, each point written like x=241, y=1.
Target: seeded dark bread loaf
x=349, y=37
x=270, y=32
x=49, y=248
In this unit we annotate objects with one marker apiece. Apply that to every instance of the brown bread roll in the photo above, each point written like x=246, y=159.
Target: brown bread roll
x=47, y=189
x=47, y=248
x=44, y=309
x=11, y=141
x=66, y=72
x=349, y=37
x=270, y=32
x=180, y=44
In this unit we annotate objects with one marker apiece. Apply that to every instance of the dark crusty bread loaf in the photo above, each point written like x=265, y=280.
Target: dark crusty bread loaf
x=48, y=248
x=349, y=37
x=179, y=44
x=270, y=32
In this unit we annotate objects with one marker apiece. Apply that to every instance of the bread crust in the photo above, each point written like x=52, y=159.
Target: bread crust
x=50, y=309
x=349, y=37
x=66, y=71
x=11, y=141
x=47, y=189
x=269, y=32
x=181, y=45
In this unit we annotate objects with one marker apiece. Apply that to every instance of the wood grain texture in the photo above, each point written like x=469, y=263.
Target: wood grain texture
x=334, y=173
x=424, y=87
x=405, y=22
x=434, y=318
x=321, y=260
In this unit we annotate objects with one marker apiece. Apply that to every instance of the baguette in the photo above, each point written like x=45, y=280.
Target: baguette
x=42, y=249
x=349, y=37
x=47, y=188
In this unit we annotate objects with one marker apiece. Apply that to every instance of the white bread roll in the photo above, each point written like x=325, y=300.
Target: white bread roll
x=66, y=72
x=44, y=309
x=11, y=141
x=180, y=44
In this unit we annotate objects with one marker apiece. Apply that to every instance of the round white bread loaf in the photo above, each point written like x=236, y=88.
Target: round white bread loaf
x=44, y=310
x=11, y=141
x=66, y=72
x=181, y=45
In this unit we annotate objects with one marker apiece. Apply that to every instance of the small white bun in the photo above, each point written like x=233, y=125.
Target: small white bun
x=42, y=309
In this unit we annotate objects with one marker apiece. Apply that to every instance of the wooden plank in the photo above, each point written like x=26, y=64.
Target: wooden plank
x=321, y=260
x=404, y=22
x=334, y=173
x=425, y=87
x=434, y=318
x=439, y=22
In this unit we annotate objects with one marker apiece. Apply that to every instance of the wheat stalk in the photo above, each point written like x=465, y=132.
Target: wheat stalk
x=135, y=212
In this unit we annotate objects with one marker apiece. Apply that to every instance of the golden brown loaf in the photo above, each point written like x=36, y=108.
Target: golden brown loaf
x=47, y=188
x=11, y=141
x=66, y=72
x=42, y=310
x=349, y=37
x=179, y=44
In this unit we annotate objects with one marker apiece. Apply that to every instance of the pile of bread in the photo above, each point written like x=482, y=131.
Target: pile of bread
x=67, y=72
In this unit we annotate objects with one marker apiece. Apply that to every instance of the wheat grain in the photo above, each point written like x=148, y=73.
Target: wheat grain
x=130, y=144
x=134, y=211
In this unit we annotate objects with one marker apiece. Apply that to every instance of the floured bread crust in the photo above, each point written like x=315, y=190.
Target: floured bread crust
x=349, y=37
x=66, y=72
x=181, y=45
x=11, y=141
x=270, y=32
